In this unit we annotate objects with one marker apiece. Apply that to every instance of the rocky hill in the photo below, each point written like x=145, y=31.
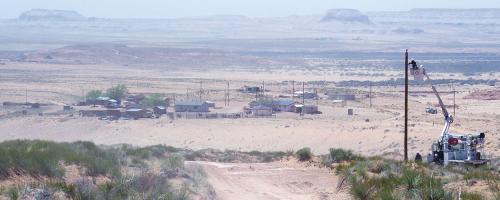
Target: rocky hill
x=51, y=15
x=346, y=15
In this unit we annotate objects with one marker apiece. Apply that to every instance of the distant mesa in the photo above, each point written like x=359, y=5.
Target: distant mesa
x=224, y=17
x=346, y=16
x=402, y=30
x=51, y=15
x=460, y=10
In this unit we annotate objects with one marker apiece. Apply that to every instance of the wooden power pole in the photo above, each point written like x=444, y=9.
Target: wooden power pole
x=370, y=94
x=406, y=107
x=201, y=89
x=227, y=94
x=263, y=89
x=454, y=104
x=303, y=93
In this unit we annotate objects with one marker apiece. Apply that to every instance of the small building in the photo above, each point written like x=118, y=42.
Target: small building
x=343, y=97
x=191, y=106
x=131, y=104
x=305, y=95
x=102, y=100
x=260, y=111
x=167, y=102
x=210, y=104
x=310, y=109
x=159, y=110
x=67, y=108
x=136, y=113
x=111, y=103
x=284, y=105
x=93, y=113
x=113, y=113
x=251, y=89
x=262, y=101
x=98, y=101
x=136, y=98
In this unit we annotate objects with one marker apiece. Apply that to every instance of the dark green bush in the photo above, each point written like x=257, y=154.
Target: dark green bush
x=471, y=196
x=304, y=154
x=339, y=155
x=13, y=193
x=42, y=158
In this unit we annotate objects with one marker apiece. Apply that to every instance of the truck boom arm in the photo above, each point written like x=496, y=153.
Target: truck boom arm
x=448, y=119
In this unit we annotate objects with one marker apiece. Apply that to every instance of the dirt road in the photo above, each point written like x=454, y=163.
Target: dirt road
x=271, y=181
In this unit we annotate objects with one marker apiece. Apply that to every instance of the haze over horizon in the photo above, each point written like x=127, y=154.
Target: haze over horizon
x=255, y=8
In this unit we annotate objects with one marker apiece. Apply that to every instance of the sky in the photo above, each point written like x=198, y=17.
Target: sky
x=251, y=8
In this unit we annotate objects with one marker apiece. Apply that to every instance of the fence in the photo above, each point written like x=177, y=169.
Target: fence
x=196, y=115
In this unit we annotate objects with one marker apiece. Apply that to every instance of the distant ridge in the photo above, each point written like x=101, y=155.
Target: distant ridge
x=346, y=16
x=51, y=15
x=456, y=9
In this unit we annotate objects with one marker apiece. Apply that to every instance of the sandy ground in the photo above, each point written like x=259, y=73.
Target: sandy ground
x=371, y=131
x=270, y=181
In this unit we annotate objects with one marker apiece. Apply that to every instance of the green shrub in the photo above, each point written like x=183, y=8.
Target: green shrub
x=471, y=196
x=43, y=158
x=156, y=151
x=13, y=193
x=68, y=189
x=172, y=166
x=387, y=194
x=362, y=189
x=106, y=190
x=85, y=190
x=481, y=173
x=377, y=166
x=117, y=92
x=93, y=94
x=304, y=154
x=431, y=188
x=410, y=180
x=154, y=100
x=339, y=155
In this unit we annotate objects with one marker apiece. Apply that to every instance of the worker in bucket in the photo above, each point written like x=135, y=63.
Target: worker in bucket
x=413, y=64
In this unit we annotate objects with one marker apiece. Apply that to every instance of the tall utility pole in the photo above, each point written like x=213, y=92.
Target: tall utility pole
x=370, y=94
x=454, y=105
x=303, y=92
x=263, y=89
x=293, y=89
x=201, y=88
x=317, y=97
x=406, y=106
x=26, y=96
x=256, y=95
x=227, y=94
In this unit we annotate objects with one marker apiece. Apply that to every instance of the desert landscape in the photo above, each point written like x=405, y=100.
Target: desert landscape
x=354, y=69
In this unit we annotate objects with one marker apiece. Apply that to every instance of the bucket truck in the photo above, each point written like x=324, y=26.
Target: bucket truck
x=450, y=147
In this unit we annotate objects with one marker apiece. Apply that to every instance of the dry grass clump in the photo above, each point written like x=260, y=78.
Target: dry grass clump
x=377, y=178
x=128, y=171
